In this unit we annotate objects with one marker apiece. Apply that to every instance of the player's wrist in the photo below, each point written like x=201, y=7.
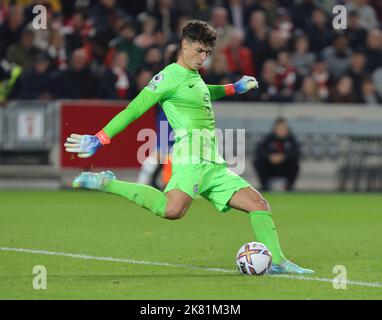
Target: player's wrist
x=103, y=137
x=229, y=89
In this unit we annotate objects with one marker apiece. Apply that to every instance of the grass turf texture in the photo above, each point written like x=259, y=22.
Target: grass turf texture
x=317, y=231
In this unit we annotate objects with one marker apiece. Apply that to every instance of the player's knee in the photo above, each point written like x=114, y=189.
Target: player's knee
x=174, y=213
x=259, y=204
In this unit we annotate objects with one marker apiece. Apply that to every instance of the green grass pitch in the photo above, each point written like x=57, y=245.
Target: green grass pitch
x=318, y=231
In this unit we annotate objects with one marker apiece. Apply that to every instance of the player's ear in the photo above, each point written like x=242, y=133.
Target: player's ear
x=185, y=44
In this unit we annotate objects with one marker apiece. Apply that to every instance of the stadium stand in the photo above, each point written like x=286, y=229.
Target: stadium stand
x=104, y=49
x=295, y=36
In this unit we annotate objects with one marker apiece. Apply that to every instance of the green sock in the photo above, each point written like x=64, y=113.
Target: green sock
x=143, y=195
x=265, y=232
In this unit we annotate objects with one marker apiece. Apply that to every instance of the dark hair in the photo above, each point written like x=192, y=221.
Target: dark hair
x=279, y=120
x=201, y=31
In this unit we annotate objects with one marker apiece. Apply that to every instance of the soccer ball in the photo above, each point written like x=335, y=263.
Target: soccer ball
x=254, y=258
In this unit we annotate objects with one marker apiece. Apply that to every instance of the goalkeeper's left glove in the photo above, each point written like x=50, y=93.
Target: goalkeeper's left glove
x=245, y=84
x=86, y=145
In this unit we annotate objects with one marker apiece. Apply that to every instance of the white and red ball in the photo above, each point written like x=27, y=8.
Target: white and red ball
x=253, y=258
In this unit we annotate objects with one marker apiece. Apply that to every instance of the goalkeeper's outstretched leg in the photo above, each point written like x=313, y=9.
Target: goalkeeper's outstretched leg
x=171, y=205
x=175, y=203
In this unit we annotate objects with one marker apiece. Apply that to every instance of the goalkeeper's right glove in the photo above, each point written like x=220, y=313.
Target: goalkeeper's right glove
x=86, y=145
x=245, y=84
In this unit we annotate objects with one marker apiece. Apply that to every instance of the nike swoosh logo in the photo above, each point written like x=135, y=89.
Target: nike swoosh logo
x=191, y=85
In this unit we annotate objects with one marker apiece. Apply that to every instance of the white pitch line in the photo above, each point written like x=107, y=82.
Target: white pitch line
x=355, y=283
x=129, y=261
x=166, y=264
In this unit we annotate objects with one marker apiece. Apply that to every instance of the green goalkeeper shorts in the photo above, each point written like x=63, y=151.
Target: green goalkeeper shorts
x=214, y=182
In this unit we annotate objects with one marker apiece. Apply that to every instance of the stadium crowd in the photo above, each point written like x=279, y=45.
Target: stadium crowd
x=110, y=49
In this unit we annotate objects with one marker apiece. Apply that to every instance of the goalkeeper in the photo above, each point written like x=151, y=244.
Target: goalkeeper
x=186, y=101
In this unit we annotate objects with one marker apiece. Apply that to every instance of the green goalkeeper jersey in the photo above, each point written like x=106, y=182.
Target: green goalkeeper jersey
x=186, y=101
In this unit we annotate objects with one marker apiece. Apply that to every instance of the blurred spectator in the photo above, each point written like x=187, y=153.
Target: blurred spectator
x=337, y=56
x=286, y=75
x=161, y=38
x=308, y=92
x=220, y=21
x=342, y=91
x=11, y=30
x=97, y=49
x=357, y=71
x=283, y=23
x=256, y=38
x=250, y=7
x=367, y=15
x=239, y=58
x=276, y=44
x=36, y=83
x=166, y=15
x=77, y=30
x=277, y=155
x=302, y=59
x=147, y=37
x=374, y=50
x=319, y=31
x=116, y=81
x=218, y=73
x=236, y=13
x=354, y=32
x=125, y=42
x=302, y=13
x=23, y=53
x=369, y=95
x=268, y=89
x=321, y=76
x=154, y=59
x=104, y=14
x=56, y=50
x=78, y=81
x=9, y=80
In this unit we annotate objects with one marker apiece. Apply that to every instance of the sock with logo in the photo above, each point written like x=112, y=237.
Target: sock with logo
x=265, y=232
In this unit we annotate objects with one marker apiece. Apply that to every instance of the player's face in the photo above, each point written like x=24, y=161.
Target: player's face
x=195, y=53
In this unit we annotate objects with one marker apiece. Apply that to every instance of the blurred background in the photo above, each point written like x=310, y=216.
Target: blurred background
x=323, y=85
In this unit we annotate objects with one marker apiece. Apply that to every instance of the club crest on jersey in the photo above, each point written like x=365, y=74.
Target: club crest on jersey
x=155, y=80
x=158, y=78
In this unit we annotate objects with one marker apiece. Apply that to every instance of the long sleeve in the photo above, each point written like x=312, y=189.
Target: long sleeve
x=142, y=103
x=216, y=91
